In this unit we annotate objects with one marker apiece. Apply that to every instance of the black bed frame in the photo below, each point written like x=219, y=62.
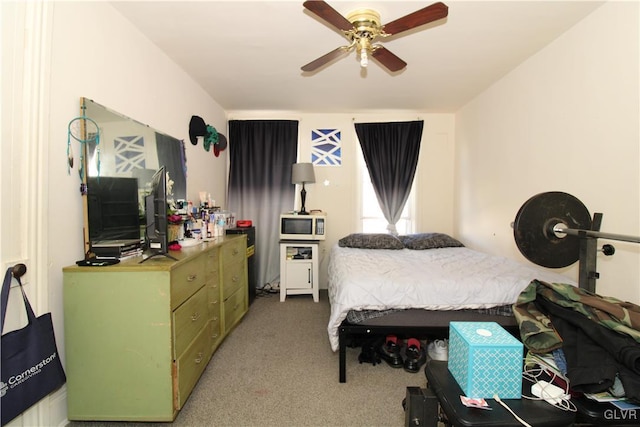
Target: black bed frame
x=438, y=326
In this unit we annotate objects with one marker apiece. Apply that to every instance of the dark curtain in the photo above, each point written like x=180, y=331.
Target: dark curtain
x=261, y=153
x=171, y=155
x=391, y=152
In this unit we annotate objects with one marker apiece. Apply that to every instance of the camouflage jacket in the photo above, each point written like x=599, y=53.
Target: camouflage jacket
x=537, y=332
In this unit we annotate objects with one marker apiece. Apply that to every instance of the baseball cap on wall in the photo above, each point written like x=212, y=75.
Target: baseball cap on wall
x=197, y=127
x=220, y=145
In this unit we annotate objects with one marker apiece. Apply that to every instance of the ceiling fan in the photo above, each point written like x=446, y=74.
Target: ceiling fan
x=361, y=27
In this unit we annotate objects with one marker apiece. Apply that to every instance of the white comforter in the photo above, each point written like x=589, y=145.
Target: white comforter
x=435, y=279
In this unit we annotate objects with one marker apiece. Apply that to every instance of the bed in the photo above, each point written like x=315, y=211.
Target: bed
x=415, y=285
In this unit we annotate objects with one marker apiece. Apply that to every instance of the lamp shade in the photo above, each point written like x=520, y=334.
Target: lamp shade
x=302, y=173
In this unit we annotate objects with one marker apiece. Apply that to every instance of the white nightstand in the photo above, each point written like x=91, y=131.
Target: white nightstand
x=298, y=268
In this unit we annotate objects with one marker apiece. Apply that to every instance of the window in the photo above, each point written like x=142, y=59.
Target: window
x=372, y=219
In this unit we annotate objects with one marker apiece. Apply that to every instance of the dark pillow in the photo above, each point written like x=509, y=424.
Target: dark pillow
x=429, y=241
x=371, y=241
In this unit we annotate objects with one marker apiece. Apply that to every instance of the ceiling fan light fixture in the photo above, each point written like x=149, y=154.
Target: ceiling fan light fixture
x=364, y=59
x=364, y=50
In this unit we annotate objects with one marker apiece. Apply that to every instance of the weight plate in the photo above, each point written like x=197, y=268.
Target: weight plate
x=533, y=228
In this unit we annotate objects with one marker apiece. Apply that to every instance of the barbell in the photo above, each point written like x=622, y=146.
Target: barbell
x=550, y=229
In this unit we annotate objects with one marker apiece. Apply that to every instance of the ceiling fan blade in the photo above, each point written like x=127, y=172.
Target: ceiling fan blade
x=388, y=59
x=317, y=63
x=329, y=14
x=420, y=17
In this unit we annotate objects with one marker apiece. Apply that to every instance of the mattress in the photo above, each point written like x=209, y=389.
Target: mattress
x=434, y=279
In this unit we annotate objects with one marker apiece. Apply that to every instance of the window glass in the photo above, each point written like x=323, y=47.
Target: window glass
x=372, y=219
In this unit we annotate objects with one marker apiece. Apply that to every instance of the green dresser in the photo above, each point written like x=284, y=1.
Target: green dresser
x=138, y=336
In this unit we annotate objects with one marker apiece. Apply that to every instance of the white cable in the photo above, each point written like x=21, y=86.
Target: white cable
x=520, y=420
x=536, y=368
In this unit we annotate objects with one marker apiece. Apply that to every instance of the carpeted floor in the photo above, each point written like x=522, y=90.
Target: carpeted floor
x=277, y=369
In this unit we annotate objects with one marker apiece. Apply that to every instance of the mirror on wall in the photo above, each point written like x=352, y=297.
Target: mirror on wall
x=120, y=168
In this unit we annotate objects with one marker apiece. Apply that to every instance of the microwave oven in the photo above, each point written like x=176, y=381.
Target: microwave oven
x=302, y=227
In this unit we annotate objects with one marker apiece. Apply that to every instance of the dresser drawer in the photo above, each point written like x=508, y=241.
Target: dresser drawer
x=234, y=250
x=189, y=319
x=186, y=280
x=191, y=364
x=212, y=263
x=233, y=277
x=234, y=309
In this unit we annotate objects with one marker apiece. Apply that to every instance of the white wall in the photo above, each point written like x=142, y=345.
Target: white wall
x=98, y=54
x=567, y=120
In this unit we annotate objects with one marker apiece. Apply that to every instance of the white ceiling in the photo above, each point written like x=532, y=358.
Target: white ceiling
x=247, y=54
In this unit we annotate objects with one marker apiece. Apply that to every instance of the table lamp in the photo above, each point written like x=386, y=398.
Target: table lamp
x=302, y=173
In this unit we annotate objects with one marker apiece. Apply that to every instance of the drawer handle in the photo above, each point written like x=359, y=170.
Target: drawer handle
x=195, y=316
x=214, y=336
x=192, y=277
x=215, y=318
x=235, y=279
x=199, y=358
x=213, y=302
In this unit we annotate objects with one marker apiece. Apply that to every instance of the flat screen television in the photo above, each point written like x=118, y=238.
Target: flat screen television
x=113, y=210
x=156, y=216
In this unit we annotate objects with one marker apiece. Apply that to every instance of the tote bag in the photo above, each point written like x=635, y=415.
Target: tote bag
x=31, y=367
